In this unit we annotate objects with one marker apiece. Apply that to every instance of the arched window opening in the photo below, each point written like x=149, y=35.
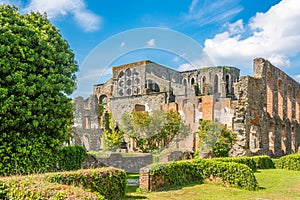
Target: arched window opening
x=280, y=98
x=192, y=81
x=289, y=103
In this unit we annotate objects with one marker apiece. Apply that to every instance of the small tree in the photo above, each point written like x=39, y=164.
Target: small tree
x=153, y=131
x=215, y=137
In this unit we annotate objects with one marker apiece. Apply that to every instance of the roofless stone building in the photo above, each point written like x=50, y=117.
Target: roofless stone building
x=263, y=109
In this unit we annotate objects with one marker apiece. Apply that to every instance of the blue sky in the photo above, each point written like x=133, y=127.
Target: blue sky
x=184, y=34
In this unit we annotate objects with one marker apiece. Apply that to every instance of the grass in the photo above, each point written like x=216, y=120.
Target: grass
x=276, y=184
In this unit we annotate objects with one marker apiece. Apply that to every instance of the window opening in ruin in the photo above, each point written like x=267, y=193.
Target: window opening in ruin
x=128, y=91
x=289, y=103
x=128, y=82
x=103, y=101
x=227, y=80
x=128, y=72
x=269, y=94
x=86, y=142
x=135, y=72
x=283, y=139
x=184, y=82
x=121, y=74
x=280, y=98
x=216, y=85
x=293, y=139
x=86, y=123
x=203, y=84
x=298, y=106
x=192, y=81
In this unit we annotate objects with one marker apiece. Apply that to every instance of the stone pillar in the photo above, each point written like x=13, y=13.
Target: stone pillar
x=223, y=89
x=144, y=179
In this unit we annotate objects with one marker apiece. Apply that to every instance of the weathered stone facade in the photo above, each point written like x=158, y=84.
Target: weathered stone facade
x=263, y=109
x=267, y=115
x=86, y=128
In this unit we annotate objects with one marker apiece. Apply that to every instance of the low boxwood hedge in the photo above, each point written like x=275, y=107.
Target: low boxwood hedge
x=101, y=183
x=290, y=162
x=263, y=162
x=183, y=172
x=242, y=160
x=255, y=162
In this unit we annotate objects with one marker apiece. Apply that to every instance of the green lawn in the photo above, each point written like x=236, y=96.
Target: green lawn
x=276, y=184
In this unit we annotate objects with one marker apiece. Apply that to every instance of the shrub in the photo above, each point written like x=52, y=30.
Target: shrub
x=34, y=187
x=290, y=162
x=263, y=162
x=109, y=182
x=235, y=174
x=177, y=173
x=101, y=183
x=183, y=172
x=70, y=158
x=242, y=160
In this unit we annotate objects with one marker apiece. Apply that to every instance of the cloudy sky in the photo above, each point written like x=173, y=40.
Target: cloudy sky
x=179, y=34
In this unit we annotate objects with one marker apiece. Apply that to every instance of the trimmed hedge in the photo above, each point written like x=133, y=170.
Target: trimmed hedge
x=242, y=160
x=177, y=173
x=102, y=183
x=263, y=162
x=183, y=172
x=235, y=174
x=109, y=182
x=290, y=162
x=255, y=162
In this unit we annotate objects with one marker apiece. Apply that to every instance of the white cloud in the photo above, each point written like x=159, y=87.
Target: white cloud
x=151, y=42
x=57, y=8
x=274, y=35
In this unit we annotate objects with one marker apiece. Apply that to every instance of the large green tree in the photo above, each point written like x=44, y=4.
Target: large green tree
x=37, y=71
x=154, y=131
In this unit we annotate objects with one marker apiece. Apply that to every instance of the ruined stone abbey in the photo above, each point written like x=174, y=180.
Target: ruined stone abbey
x=263, y=109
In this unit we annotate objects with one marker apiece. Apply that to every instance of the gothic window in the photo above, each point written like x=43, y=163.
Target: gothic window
x=270, y=93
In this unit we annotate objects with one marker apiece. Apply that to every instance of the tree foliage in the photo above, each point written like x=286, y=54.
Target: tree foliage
x=215, y=137
x=153, y=131
x=37, y=70
x=112, y=136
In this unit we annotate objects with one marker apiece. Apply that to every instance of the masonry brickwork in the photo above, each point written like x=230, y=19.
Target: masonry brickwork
x=262, y=109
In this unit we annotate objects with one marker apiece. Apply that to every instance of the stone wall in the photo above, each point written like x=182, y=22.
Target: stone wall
x=131, y=164
x=86, y=130
x=267, y=116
